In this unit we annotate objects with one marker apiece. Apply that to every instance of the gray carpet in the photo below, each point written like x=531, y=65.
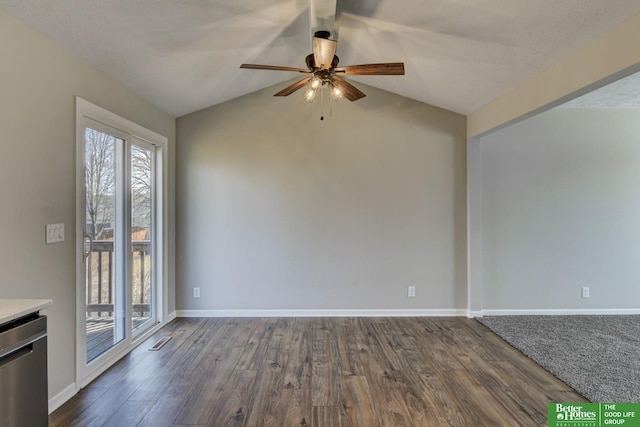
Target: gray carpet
x=599, y=356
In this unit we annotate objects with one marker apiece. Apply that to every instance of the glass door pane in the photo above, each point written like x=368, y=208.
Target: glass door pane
x=142, y=165
x=119, y=237
x=105, y=322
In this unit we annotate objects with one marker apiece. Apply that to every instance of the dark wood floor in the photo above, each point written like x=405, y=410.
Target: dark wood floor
x=320, y=372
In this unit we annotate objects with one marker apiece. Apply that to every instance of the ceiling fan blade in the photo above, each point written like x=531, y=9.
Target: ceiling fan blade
x=386, y=69
x=274, y=68
x=323, y=51
x=349, y=91
x=294, y=87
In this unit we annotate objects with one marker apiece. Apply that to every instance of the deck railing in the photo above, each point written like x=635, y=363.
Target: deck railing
x=100, y=278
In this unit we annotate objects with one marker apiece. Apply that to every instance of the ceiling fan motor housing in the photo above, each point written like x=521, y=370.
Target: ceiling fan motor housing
x=322, y=34
x=311, y=63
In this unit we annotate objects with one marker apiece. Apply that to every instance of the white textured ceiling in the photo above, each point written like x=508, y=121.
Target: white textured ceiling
x=624, y=93
x=183, y=55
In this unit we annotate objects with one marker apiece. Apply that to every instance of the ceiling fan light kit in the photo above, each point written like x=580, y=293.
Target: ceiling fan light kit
x=319, y=80
x=322, y=65
x=310, y=94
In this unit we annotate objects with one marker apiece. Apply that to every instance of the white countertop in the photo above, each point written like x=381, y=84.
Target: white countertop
x=11, y=309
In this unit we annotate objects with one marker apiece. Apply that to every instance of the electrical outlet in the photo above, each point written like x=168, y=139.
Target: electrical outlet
x=196, y=292
x=585, y=292
x=411, y=292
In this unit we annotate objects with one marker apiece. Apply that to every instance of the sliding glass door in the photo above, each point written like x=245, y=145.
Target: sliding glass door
x=104, y=224
x=118, y=224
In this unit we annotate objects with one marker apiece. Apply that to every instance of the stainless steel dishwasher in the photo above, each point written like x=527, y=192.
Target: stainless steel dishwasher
x=23, y=372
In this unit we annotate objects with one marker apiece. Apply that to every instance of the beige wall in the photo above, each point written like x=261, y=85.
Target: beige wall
x=279, y=210
x=38, y=82
x=560, y=211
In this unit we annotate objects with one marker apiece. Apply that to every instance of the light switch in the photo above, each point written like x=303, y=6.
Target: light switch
x=55, y=233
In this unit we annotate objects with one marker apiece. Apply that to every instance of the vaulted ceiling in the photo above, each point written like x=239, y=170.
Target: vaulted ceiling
x=184, y=55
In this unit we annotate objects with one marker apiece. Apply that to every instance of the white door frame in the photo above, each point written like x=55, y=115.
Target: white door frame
x=87, y=112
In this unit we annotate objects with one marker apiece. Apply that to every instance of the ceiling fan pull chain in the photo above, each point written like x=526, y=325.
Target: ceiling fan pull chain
x=322, y=102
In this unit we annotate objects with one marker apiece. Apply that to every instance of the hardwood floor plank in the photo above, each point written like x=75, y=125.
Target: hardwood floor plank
x=118, y=371
x=485, y=345
x=296, y=407
x=365, y=333
x=154, y=386
x=383, y=387
x=520, y=408
x=257, y=343
x=282, y=331
x=323, y=329
x=236, y=332
x=234, y=400
x=320, y=372
x=253, y=355
x=186, y=348
x=426, y=403
x=522, y=381
x=358, y=403
x=531, y=373
x=388, y=347
x=266, y=402
x=129, y=414
x=351, y=356
x=72, y=409
x=325, y=377
x=173, y=398
x=298, y=370
x=350, y=335
x=488, y=373
x=476, y=402
x=417, y=359
x=265, y=408
x=327, y=416
x=217, y=370
x=325, y=386
x=103, y=408
x=264, y=328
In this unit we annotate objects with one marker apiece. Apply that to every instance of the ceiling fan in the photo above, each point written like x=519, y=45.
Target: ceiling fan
x=322, y=65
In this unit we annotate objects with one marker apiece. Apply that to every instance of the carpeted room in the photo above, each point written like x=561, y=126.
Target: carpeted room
x=596, y=355
x=559, y=214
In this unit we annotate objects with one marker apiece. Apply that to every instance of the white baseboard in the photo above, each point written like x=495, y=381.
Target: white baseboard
x=472, y=314
x=170, y=316
x=324, y=313
x=59, y=399
x=560, y=312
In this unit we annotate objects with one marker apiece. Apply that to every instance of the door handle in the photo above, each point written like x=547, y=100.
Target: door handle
x=87, y=245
